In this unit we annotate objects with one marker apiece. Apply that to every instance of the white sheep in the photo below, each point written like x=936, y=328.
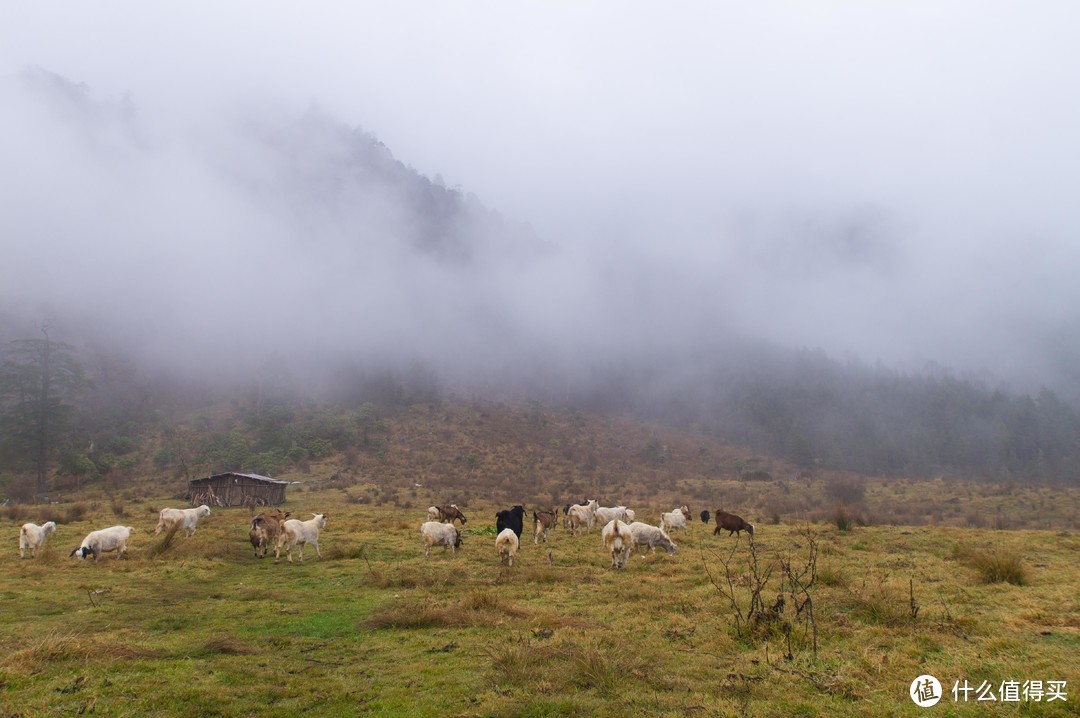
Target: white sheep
x=297, y=533
x=113, y=538
x=183, y=519
x=436, y=533
x=618, y=540
x=507, y=544
x=32, y=536
x=651, y=536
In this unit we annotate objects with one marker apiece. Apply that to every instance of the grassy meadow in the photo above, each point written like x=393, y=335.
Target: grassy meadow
x=958, y=579
x=199, y=627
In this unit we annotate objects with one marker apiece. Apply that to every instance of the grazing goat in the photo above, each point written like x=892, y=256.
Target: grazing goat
x=450, y=513
x=32, y=536
x=113, y=538
x=297, y=533
x=675, y=519
x=605, y=515
x=582, y=515
x=436, y=533
x=705, y=516
x=731, y=523
x=651, y=536
x=631, y=517
x=172, y=519
x=618, y=540
x=433, y=513
x=512, y=518
x=265, y=529
x=507, y=544
x=544, y=521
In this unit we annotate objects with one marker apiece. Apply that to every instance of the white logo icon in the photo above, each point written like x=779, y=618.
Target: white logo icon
x=925, y=691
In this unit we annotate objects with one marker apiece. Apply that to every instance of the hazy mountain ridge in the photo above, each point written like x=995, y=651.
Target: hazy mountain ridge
x=297, y=253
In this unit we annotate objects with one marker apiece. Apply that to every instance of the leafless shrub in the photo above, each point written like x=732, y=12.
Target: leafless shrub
x=841, y=517
x=846, y=489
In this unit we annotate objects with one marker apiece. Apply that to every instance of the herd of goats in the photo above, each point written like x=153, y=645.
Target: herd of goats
x=621, y=531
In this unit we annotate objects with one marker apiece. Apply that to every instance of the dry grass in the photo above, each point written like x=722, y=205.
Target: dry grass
x=998, y=565
x=37, y=654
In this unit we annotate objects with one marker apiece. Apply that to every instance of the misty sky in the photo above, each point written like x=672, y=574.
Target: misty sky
x=894, y=181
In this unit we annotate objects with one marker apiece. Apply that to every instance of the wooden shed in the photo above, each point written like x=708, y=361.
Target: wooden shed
x=233, y=489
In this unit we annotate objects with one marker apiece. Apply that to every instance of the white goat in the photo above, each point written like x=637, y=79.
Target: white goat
x=618, y=540
x=297, y=533
x=183, y=519
x=436, y=533
x=651, y=536
x=507, y=544
x=581, y=515
x=631, y=517
x=113, y=538
x=32, y=536
x=607, y=514
x=675, y=519
x=433, y=513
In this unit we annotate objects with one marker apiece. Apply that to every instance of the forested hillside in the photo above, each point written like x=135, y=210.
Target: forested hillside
x=315, y=282
x=77, y=417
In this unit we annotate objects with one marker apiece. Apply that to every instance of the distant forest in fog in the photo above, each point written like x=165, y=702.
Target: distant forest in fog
x=799, y=405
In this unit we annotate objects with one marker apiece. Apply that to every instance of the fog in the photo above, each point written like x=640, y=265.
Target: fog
x=892, y=183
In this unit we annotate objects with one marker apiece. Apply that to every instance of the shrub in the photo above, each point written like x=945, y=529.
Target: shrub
x=841, y=518
x=119, y=445
x=998, y=565
x=846, y=489
x=164, y=457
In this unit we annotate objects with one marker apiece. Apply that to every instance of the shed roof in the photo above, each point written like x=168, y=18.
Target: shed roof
x=228, y=474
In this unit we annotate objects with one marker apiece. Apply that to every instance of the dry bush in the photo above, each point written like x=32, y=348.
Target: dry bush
x=846, y=489
x=975, y=520
x=164, y=544
x=997, y=565
x=67, y=514
x=19, y=513
x=841, y=517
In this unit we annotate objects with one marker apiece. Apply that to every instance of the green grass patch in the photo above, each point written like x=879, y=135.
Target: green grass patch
x=204, y=628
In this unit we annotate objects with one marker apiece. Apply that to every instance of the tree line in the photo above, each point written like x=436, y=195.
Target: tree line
x=89, y=414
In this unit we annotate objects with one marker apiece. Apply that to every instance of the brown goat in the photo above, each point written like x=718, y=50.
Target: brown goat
x=731, y=523
x=451, y=513
x=265, y=529
x=544, y=521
